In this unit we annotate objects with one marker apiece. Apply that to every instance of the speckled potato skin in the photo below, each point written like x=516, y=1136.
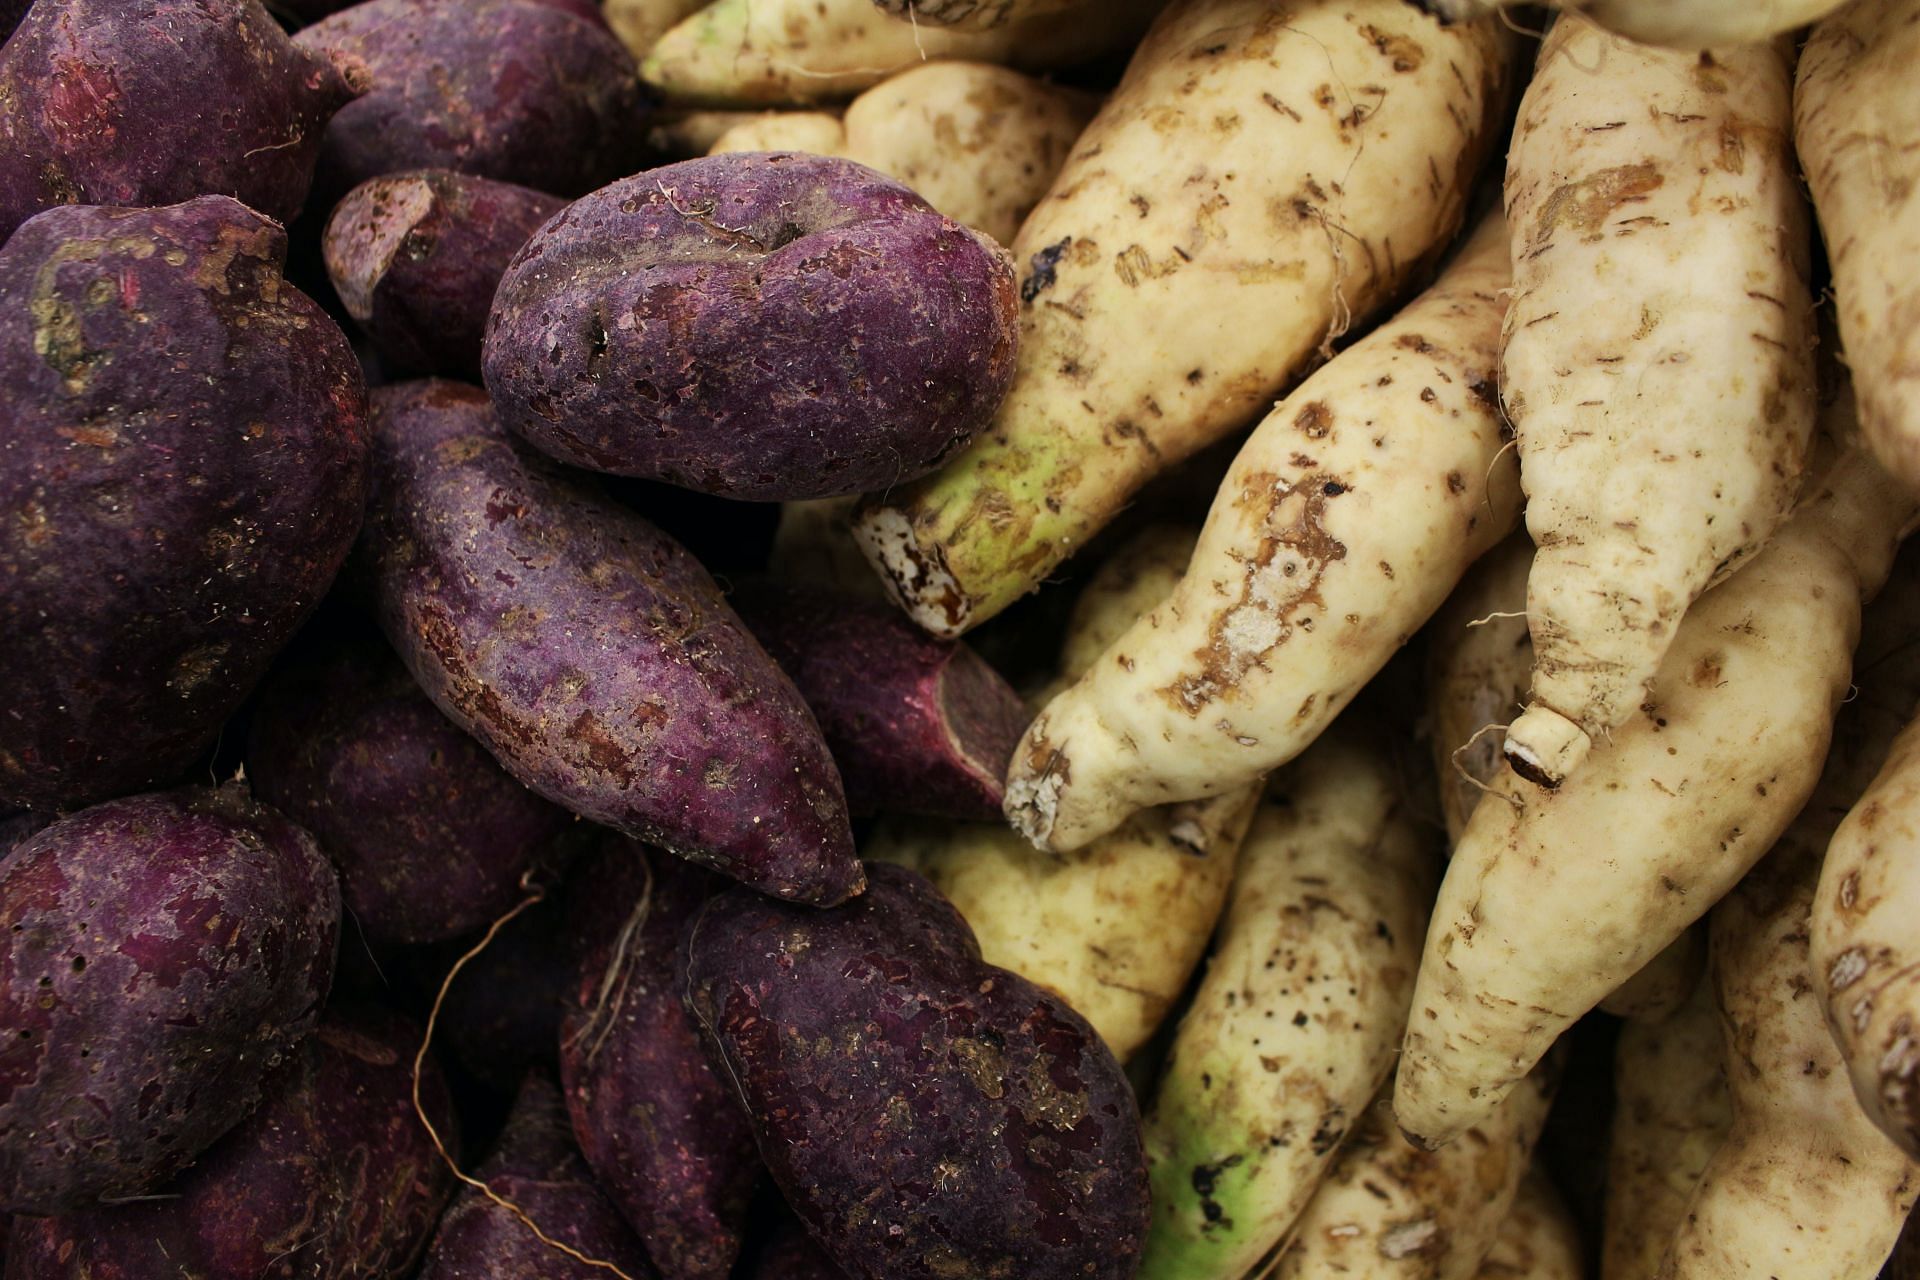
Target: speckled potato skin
x=916, y=724
x=660, y=1129
x=522, y=91
x=158, y=955
x=183, y=461
x=760, y=325
x=333, y=1178
x=592, y=654
x=430, y=834
x=416, y=257
x=148, y=102
x=875, y=1049
x=536, y=1167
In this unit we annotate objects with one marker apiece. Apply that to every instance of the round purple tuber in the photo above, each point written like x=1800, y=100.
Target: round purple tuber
x=157, y=955
x=766, y=326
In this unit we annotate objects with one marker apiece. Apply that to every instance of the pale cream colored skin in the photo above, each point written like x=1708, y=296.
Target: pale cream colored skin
x=1293, y=1029
x=1663, y=983
x=980, y=143
x=1555, y=897
x=1682, y=24
x=639, y=23
x=1265, y=178
x=1118, y=927
x=977, y=15
x=1805, y=1187
x=1671, y=1113
x=1864, y=943
x=1479, y=663
x=1391, y=1211
x=820, y=133
x=740, y=53
x=1866, y=937
x=1857, y=124
x=1539, y=1240
x=1658, y=361
x=1344, y=522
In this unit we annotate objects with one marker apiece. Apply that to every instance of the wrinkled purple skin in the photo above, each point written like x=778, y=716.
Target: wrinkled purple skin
x=592, y=655
x=160, y=954
x=430, y=834
x=536, y=1167
x=661, y=1131
x=763, y=326
x=149, y=102
x=916, y=724
x=792, y=1255
x=183, y=467
x=874, y=1049
x=333, y=1178
x=522, y=91
x=415, y=257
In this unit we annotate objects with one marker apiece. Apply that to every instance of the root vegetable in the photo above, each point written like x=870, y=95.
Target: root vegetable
x=1391, y=1211
x=1264, y=179
x=764, y=326
x=1554, y=897
x=1539, y=1240
x=756, y=53
x=1343, y=524
x=1671, y=1113
x=974, y=15
x=1294, y=1027
x=1683, y=24
x=107, y=102
x=1480, y=661
x=641, y=23
x=416, y=257
x=1658, y=357
x=592, y=654
x=183, y=461
x=1857, y=125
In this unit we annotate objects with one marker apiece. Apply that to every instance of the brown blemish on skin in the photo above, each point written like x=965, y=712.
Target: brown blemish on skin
x=1585, y=206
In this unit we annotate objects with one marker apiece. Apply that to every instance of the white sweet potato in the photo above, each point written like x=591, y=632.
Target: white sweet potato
x=1293, y=1029
x=979, y=15
x=1682, y=24
x=1671, y=1113
x=1345, y=521
x=978, y=142
x=1539, y=1240
x=1857, y=126
x=1555, y=897
x=1391, y=1211
x=760, y=53
x=1479, y=663
x=639, y=23
x=1805, y=1187
x=1658, y=359
x=1117, y=927
x=1266, y=177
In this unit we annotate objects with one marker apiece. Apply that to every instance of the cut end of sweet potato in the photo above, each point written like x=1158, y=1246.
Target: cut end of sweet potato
x=984, y=719
x=916, y=578
x=367, y=232
x=1544, y=746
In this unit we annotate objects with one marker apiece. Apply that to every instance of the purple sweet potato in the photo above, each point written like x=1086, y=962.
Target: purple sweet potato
x=916, y=724
x=333, y=1178
x=764, y=326
x=792, y=1255
x=150, y=102
x=925, y=1114
x=535, y=1166
x=524, y=91
x=659, y=1128
x=183, y=467
x=430, y=834
x=592, y=655
x=415, y=257
x=157, y=956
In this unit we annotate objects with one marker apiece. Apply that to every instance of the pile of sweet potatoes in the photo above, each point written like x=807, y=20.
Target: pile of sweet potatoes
x=496, y=781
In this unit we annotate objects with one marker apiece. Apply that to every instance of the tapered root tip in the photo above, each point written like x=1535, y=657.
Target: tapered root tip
x=1544, y=747
x=1032, y=801
x=916, y=577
